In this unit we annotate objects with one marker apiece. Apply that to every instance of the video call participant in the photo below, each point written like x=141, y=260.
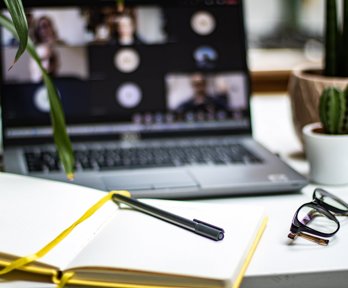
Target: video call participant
x=45, y=32
x=45, y=37
x=111, y=26
x=126, y=29
x=201, y=101
x=49, y=60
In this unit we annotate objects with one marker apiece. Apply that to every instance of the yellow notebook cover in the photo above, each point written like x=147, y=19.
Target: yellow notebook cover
x=71, y=235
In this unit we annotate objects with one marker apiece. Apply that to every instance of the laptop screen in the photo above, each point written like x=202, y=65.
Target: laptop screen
x=150, y=67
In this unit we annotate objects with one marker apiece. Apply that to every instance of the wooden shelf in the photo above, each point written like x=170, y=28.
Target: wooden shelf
x=269, y=81
x=271, y=68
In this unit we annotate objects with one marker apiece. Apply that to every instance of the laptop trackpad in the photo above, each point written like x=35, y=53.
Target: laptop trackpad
x=149, y=180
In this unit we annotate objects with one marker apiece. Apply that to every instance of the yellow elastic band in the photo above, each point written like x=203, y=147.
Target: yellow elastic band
x=64, y=280
x=20, y=262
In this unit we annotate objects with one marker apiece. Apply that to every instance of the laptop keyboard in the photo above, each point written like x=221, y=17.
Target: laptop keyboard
x=144, y=157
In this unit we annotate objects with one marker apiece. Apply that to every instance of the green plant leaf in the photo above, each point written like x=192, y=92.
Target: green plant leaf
x=345, y=40
x=331, y=39
x=19, y=20
x=61, y=137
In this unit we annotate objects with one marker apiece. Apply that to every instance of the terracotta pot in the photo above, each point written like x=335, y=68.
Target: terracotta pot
x=305, y=87
x=327, y=155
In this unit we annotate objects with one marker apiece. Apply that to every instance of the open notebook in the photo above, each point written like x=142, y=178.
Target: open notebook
x=120, y=247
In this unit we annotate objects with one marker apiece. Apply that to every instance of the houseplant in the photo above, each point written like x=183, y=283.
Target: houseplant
x=307, y=83
x=18, y=26
x=326, y=142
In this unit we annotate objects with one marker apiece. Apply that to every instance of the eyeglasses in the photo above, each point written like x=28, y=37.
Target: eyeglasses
x=315, y=221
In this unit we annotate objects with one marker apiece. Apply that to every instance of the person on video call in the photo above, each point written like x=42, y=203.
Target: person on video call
x=45, y=32
x=49, y=60
x=45, y=37
x=201, y=101
x=126, y=29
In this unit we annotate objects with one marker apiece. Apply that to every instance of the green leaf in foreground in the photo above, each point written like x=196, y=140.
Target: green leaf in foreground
x=20, y=23
x=61, y=137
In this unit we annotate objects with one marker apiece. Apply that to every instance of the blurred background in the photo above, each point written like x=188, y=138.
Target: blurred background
x=284, y=23
x=282, y=34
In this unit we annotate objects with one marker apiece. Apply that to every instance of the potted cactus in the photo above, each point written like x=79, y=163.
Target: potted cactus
x=307, y=83
x=326, y=142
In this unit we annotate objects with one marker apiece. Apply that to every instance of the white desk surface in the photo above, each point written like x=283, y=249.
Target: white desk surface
x=277, y=262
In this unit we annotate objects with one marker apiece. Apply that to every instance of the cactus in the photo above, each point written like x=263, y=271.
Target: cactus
x=333, y=110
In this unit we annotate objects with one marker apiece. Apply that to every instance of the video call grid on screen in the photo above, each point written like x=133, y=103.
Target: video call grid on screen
x=139, y=70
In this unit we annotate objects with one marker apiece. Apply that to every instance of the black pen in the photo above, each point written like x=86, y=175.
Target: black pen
x=196, y=226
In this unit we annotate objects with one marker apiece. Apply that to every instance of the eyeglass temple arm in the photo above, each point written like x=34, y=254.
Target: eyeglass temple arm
x=318, y=240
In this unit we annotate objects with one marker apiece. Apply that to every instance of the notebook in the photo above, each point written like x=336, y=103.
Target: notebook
x=156, y=95
x=117, y=247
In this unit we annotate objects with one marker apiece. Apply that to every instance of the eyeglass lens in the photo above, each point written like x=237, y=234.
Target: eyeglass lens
x=316, y=220
x=330, y=200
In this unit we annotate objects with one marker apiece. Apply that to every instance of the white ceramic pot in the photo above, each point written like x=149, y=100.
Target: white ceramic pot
x=327, y=156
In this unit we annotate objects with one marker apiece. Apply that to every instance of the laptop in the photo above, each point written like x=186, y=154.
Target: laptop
x=156, y=96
